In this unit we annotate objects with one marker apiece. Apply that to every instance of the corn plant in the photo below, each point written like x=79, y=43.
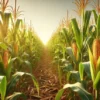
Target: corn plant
x=76, y=53
x=6, y=87
x=15, y=59
x=94, y=60
x=9, y=80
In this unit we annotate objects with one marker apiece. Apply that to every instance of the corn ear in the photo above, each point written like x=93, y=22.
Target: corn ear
x=98, y=65
x=74, y=47
x=96, y=51
x=5, y=58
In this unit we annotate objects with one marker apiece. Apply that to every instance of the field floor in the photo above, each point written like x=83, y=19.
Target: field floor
x=47, y=77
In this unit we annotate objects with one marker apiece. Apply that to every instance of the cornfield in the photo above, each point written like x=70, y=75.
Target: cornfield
x=67, y=68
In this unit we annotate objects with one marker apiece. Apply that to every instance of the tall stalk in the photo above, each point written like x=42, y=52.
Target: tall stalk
x=59, y=74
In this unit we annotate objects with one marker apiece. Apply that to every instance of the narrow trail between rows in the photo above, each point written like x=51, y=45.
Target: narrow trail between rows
x=46, y=75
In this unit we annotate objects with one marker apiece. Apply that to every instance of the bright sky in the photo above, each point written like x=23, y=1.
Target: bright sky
x=45, y=14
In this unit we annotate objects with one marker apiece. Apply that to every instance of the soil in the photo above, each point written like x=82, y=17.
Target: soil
x=46, y=75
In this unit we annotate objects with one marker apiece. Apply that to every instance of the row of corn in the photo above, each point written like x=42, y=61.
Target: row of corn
x=75, y=48
x=20, y=51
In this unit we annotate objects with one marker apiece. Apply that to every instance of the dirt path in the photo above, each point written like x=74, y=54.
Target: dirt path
x=47, y=77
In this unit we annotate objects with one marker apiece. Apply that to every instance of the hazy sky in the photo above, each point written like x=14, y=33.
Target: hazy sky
x=45, y=14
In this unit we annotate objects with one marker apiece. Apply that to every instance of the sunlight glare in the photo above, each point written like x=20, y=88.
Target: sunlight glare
x=43, y=32
x=44, y=37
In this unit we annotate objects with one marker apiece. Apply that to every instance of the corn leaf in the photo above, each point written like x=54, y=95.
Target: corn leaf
x=98, y=26
x=70, y=53
x=7, y=17
x=17, y=24
x=59, y=94
x=95, y=15
x=98, y=66
x=73, y=75
x=34, y=81
x=3, y=84
x=5, y=23
x=68, y=67
x=2, y=69
x=28, y=64
x=96, y=82
x=87, y=68
x=86, y=22
x=84, y=67
x=16, y=27
x=15, y=78
x=3, y=45
x=67, y=36
x=78, y=34
x=81, y=70
x=16, y=96
x=77, y=87
x=92, y=69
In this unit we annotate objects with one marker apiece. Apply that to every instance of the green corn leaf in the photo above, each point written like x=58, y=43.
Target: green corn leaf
x=84, y=67
x=95, y=15
x=19, y=61
x=67, y=67
x=17, y=24
x=86, y=22
x=92, y=69
x=98, y=26
x=68, y=37
x=7, y=16
x=28, y=64
x=25, y=55
x=16, y=27
x=78, y=34
x=87, y=68
x=70, y=53
x=96, y=82
x=77, y=87
x=2, y=69
x=98, y=66
x=73, y=75
x=3, y=85
x=16, y=96
x=15, y=78
x=59, y=94
x=34, y=81
x=5, y=23
x=3, y=45
x=81, y=70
